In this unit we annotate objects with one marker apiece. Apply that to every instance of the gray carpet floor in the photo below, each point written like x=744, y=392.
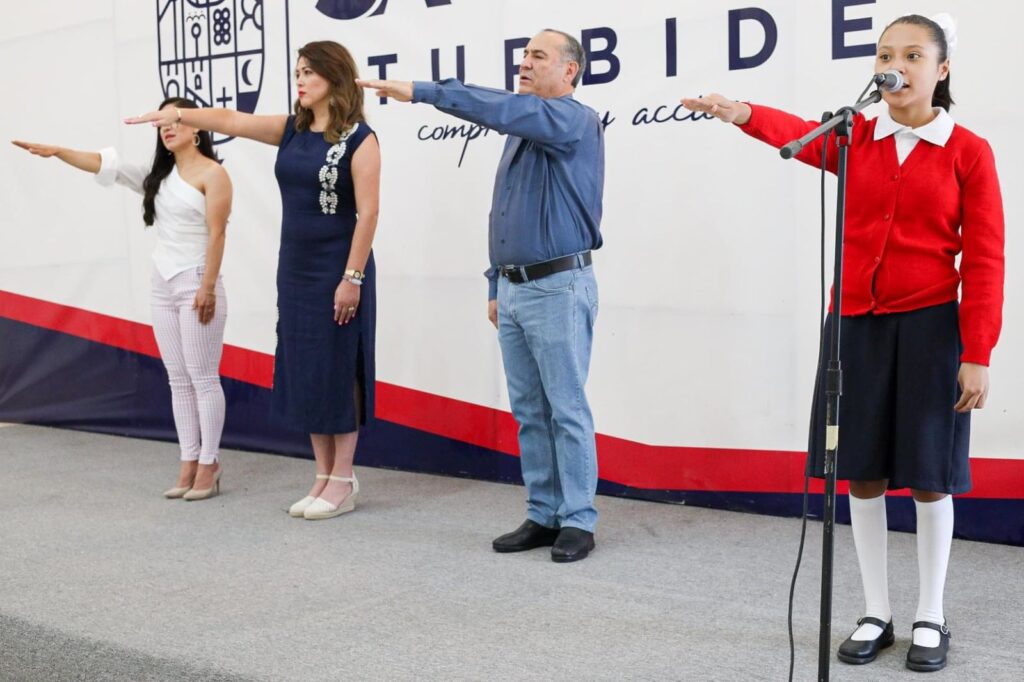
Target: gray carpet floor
x=103, y=579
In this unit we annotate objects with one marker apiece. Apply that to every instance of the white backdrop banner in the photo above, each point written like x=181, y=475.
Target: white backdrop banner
x=707, y=333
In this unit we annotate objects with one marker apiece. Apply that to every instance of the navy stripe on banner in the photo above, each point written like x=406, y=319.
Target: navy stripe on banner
x=56, y=379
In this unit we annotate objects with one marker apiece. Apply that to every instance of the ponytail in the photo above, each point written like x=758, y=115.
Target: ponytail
x=942, y=97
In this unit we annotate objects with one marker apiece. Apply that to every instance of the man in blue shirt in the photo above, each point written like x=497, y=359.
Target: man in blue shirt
x=545, y=220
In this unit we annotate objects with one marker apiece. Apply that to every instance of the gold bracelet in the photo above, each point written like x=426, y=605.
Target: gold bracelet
x=178, y=112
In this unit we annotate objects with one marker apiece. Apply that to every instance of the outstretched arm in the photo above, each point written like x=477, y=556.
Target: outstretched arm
x=772, y=126
x=105, y=164
x=555, y=121
x=87, y=161
x=266, y=129
x=722, y=108
x=400, y=91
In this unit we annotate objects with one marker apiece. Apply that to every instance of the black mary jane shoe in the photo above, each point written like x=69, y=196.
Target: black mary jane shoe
x=572, y=544
x=530, y=535
x=857, y=652
x=928, y=659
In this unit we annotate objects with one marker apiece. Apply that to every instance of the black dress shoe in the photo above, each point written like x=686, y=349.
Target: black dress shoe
x=572, y=544
x=928, y=659
x=856, y=652
x=530, y=535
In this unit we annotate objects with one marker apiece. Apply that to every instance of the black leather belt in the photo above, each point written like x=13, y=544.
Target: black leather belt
x=518, y=274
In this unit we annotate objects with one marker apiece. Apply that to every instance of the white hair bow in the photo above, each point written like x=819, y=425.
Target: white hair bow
x=948, y=26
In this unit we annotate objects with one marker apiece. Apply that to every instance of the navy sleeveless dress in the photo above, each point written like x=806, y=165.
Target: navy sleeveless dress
x=319, y=363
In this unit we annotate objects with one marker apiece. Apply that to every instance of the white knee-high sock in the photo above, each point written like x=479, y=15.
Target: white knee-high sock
x=934, y=540
x=871, y=538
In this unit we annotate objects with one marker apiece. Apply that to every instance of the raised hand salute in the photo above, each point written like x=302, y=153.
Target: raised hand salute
x=87, y=161
x=162, y=117
x=720, y=107
x=268, y=129
x=400, y=91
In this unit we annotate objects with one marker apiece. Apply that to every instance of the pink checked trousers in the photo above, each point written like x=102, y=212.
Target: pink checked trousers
x=191, y=353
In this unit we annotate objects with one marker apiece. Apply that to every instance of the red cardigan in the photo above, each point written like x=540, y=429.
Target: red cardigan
x=906, y=224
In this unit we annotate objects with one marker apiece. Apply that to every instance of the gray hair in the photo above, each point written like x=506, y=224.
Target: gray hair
x=572, y=51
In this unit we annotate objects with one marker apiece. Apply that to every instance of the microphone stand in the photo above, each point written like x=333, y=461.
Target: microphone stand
x=842, y=123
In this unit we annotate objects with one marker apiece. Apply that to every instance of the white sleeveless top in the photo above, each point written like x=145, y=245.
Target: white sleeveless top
x=180, y=214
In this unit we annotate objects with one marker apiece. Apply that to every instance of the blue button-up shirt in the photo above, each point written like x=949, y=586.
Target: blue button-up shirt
x=550, y=182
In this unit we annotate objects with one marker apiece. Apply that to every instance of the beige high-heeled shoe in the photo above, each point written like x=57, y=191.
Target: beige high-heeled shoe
x=174, y=493
x=299, y=507
x=322, y=509
x=193, y=495
x=179, y=491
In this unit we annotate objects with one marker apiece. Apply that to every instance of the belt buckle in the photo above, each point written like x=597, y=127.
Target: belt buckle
x=514, y=273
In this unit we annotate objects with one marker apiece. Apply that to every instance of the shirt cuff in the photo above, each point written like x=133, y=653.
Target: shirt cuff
x=753, y=110
x=492, y=283
x=425, y=92
x=107, y=174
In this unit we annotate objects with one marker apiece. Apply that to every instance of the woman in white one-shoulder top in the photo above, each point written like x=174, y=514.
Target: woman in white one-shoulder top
x=187, y=197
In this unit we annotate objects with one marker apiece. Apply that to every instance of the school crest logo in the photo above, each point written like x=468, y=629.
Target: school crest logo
x=212, y=52
x=353, y=9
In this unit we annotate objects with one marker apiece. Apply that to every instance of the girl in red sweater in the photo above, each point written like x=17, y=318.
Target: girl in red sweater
x=921, y=190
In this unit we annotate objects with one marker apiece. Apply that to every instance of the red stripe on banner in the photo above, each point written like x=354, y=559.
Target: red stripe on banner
x=655, y=467
x=236, y=363
x=110, y=331
x=625, y=462
x=466, y=422
x=248, y=366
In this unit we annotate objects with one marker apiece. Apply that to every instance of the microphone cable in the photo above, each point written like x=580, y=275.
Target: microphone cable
x=807, y=461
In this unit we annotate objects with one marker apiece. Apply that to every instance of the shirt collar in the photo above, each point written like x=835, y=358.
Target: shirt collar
x=937, y=131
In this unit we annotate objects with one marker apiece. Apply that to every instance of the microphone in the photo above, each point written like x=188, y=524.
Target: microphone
x=890, y=81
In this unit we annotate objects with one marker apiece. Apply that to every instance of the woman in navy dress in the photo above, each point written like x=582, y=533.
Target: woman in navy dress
x=328, y=169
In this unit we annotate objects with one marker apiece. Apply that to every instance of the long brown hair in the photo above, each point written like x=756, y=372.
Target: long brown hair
x=163, y=161
x=332, y=62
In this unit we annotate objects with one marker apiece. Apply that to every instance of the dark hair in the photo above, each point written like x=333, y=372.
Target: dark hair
x=331, y=61
x=572, y=51
x=163, y=161
x=942, y=97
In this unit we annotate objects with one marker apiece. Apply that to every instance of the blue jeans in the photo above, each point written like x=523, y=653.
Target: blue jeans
x=545, y=328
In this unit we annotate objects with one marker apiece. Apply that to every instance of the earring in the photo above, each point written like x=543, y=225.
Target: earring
x=195, y=139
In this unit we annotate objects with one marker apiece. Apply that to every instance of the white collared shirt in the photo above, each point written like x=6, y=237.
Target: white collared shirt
x=180, y=214
x=937, y=131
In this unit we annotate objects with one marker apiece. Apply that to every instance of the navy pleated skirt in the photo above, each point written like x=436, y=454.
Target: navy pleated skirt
x=896, y=417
